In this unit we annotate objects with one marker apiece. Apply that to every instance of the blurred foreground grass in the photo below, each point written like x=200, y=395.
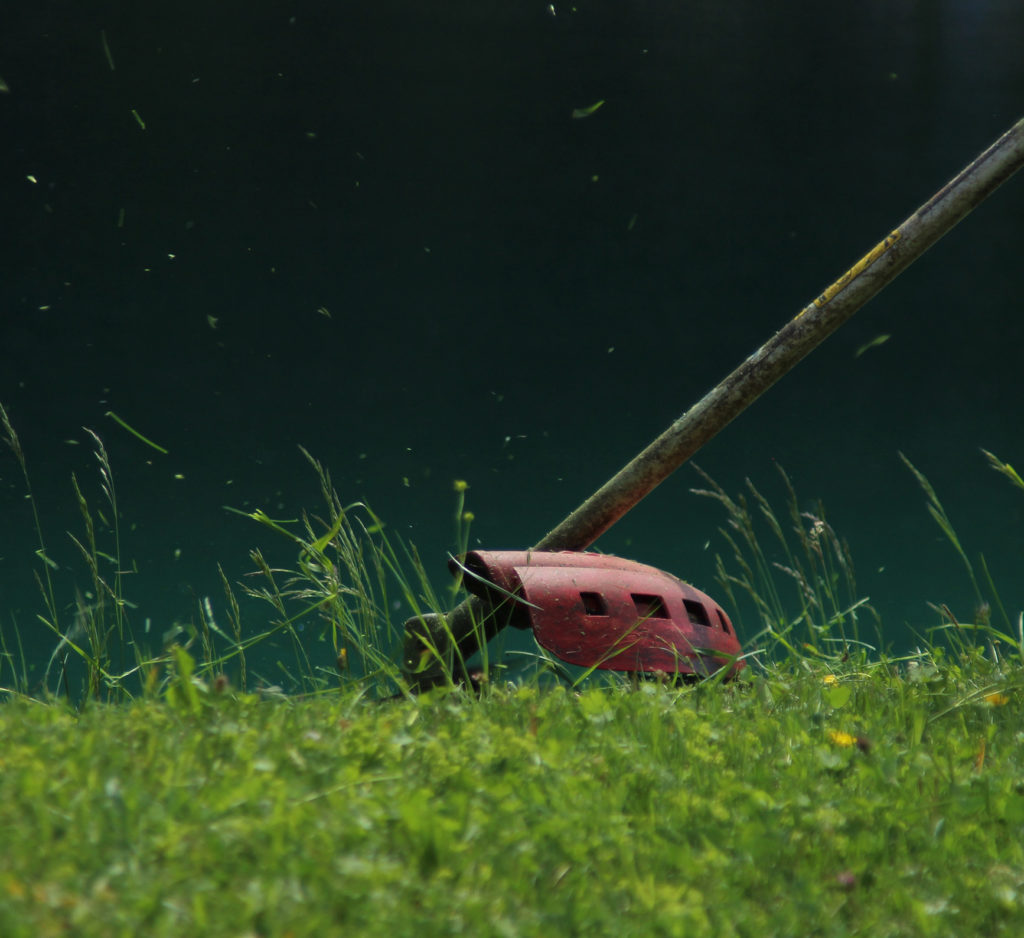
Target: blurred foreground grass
x=803, y=800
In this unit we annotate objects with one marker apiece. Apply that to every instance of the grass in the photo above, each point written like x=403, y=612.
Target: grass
x=824, y=614
x=835, y=789
x=873, y=803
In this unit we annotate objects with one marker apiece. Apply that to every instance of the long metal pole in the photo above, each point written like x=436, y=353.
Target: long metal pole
x=811, y=326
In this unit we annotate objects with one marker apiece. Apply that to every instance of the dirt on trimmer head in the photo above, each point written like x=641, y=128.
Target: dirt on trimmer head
x=596, y=610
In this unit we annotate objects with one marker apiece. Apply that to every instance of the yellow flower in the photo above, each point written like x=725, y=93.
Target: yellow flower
x=460, y=485
x=997, y=700
x=829, y=680
x=842, y=739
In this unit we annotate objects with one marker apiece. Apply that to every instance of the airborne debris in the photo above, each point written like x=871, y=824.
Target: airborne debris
x=106, y=49
x=135, y=432
x=581, y=112
x=877, y=340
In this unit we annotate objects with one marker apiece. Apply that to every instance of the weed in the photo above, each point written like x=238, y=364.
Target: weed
x=348, y=580
x=44, y=577
x=963, y=637
x=823, y=617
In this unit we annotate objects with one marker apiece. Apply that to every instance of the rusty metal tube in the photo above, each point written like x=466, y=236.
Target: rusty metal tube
x=812, y=325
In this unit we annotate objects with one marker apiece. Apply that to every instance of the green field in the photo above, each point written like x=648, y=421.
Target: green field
x=804, y=801
x=833, y=789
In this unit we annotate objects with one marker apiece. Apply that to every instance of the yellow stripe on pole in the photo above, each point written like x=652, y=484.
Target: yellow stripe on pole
x=857, y=269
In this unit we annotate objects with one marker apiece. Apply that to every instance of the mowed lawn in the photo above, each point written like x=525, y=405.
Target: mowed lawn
x=884, y=800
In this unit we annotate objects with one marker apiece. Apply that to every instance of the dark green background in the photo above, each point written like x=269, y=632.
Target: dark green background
x=517, y=298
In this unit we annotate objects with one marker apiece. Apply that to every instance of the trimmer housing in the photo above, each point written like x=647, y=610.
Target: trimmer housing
x=596, y=610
